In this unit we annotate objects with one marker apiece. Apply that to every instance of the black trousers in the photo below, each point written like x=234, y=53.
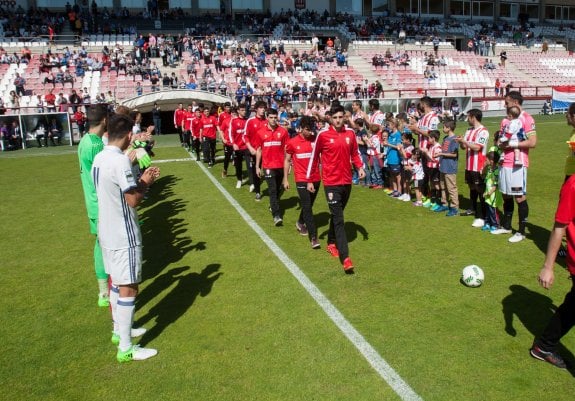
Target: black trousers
x=209, y=150
x=196, y=147
x=561, y=322
x=186, y=137
x=228, y=156
x=274, y=178
x=253, y=177
x=239, y=157
x=306, y=201
x=337, y=198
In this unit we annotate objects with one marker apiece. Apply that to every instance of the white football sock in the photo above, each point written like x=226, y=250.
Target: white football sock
x=103, y=286
x=114, y=295
x=124, y=317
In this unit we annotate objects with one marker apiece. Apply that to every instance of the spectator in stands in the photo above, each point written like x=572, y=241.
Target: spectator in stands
x=502, y=58
x=50, y=79
x=61, y=103
x=19, y=83
x=74, y=100
x=50, y=100
x=14, y=102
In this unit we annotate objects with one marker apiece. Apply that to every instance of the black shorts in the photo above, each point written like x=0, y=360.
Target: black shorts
x=473, y=177
x=434, y=175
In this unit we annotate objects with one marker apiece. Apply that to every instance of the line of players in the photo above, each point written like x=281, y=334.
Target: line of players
x=267, y=151
x=269, y=154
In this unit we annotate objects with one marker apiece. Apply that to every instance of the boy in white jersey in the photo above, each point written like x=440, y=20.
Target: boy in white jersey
x=119, y=231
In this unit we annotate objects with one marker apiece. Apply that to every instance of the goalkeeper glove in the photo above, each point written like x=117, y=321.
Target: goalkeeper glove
x=144, y=159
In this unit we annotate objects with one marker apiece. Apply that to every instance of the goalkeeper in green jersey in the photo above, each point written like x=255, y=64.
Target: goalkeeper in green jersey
x=90, y=145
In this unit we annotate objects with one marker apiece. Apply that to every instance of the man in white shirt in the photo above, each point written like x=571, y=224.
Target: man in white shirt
x=119, y=232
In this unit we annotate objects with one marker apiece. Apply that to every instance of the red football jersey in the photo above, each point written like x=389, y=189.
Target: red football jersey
x=336, y=151
x=209, y=125
x=300, y=150
x=236, y=132
x=272, y=143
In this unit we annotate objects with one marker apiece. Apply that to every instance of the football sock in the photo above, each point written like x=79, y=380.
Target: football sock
x=508, y=207
x=99, y=262
x=114, y=295
x=125, y=316
x=523, y=211
x=103, y=286
x=473, y=194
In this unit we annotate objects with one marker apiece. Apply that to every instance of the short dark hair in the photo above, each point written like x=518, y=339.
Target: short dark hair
x=450, y=124
x=476, y=113
x=307, y=122
x=119, y=125
x=571, y=109
x=426, y=100
x=373, y=103
x=517, y=96
x=336, y=109
x=270, y=111
x=434, y=134
x=96, y=113
x=260, y=103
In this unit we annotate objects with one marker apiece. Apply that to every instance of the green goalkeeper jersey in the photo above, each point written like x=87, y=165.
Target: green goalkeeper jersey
x=89, y=147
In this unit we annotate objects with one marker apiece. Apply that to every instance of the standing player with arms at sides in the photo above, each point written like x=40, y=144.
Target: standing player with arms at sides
x=298, y=152
x=270, y=144
x=196, y=127
x=208, y=134
x=336, y=148
x=429, y=121
x=475, y=144
x=187, y=118
x=90, y=145
x=119, y=231
x=236, y=138
x=179, y=114
x=512, y=177
x=253, y=126
x=223, y=124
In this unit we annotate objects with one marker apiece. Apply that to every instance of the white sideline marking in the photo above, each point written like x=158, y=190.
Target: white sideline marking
x=385, y=371
x=171, y=160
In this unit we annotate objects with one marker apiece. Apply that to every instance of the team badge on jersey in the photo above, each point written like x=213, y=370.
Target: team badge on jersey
x=347, y=140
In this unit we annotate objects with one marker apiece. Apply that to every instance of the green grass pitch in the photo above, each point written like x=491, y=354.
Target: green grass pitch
x=230, y=321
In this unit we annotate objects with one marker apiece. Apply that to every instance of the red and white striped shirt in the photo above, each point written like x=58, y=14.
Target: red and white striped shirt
x=475, y=159
x=428, y=122
x=377, y=117
x=433, y=160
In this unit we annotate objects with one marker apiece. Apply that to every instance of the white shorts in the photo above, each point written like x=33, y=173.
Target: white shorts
x=513, y=180
x=123, y=265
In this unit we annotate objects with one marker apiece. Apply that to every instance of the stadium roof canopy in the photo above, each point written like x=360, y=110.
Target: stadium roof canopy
x=169, y=99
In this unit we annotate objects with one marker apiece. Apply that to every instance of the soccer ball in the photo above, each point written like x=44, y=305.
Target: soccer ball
x=472, y=276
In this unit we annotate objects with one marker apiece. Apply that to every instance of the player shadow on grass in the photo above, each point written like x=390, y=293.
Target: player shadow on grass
x=164, y=236
x=352, y=229
x=540, y=237
x=160, y=190
x=534, y=311
x=188, y=286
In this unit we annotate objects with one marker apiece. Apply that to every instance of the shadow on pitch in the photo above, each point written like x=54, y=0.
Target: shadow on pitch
x=186, y=289
x=352, y=229
x=533, y=310
x=540, y=237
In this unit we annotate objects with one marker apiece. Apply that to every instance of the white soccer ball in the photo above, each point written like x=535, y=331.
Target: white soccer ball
x=472, y=276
